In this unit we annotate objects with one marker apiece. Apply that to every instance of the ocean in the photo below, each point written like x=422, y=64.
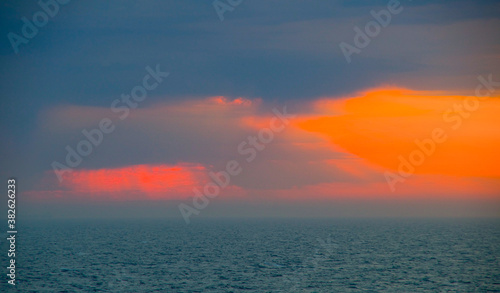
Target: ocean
x=250, y=255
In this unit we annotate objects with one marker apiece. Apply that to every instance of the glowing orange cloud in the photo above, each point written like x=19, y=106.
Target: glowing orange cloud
x=346, y=144
x=131, y=182
x=221, y=100
x=381, y=125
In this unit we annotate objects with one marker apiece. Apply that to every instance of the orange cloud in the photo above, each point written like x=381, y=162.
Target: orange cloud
x=131, y=182
x=221, y=100
x=365, y=135
x=381, y=125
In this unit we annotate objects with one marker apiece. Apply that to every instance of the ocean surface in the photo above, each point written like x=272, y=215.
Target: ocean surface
x=336, y=255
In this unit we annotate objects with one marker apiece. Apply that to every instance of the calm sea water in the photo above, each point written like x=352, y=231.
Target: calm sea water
x=258, y=256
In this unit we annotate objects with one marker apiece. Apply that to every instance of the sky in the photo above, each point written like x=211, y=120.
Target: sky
x=193, y=109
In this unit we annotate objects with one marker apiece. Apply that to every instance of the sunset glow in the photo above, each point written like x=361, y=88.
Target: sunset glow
x=383, y=124
x=131, y=182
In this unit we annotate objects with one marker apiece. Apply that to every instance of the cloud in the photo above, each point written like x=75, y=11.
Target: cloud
x=150, y=182
x=336, y=148
x=381, y=125
x=204, y=131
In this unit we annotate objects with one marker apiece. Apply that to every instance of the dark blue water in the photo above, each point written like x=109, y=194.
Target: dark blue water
x=258, y=256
